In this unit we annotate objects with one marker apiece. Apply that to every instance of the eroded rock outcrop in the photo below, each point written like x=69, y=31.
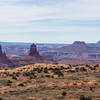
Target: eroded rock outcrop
x=32, y=58
x=4, y=60
x=1, y=53
x=33, y=51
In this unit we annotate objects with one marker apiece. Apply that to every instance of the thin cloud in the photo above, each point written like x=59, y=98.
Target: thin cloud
x=62, y=16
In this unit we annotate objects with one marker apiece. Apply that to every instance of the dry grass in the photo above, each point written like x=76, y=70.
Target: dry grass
x=50, y=82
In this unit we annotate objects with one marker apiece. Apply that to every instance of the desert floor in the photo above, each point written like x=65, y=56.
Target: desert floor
x=50, y=82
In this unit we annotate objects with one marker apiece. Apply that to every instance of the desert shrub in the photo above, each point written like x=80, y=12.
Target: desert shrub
x=21, y=84
x=59, y=73
x=96, y=66
x=17, y=74
x=83, y=69
x=35, y=76
x=6, y=73
x=76, y=69
x=28, y=73
x=61, y=67
x=64, y=93
x=32, y=76
x=71, y=71
x=87, y=65
x=9, y=82
x=47, y=76
x=1, y=98
x=50, y=69
x=55, y=69
x=45, y=70
x=92, y=68
x=14, y=77
x=6, y=69
x=92, y=89
x=35, y=69
x=67, y=68
x=38, y=70
x=88, y=98
x=75, y=65
x=82, y=97
x=70, y=66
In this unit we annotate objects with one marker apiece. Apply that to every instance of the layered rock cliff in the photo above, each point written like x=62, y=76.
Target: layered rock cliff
x=4, y=60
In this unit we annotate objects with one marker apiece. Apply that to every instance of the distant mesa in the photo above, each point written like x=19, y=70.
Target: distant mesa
x=79, y=43
x=98, y=42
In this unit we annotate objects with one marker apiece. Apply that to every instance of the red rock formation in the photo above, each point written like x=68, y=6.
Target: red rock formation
x=2, y=55
x=4, y=60
x=33, y=51
x=33, y=57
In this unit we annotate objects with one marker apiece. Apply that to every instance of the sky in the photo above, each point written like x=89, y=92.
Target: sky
x=50, y=21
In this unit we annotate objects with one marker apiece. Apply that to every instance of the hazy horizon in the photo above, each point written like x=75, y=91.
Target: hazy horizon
x=50, y=21
x=46, y=42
